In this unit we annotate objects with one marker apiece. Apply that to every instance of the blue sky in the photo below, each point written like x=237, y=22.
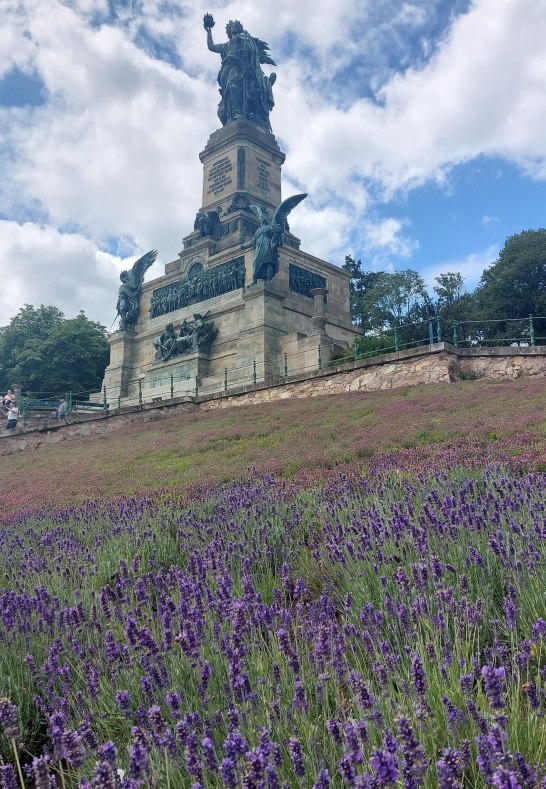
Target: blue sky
x=416, y=127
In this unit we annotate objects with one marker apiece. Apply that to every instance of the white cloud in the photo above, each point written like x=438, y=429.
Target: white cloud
x=489, y=220
x=484, y=92
x=16, y=47
x=42, y=266
x=471, y=267
x=113, y=153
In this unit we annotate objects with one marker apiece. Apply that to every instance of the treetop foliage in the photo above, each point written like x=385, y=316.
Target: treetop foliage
x=513, y=287
x=49, y=354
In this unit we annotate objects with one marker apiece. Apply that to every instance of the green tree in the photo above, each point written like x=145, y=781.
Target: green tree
x=396, y=297
x=380, y=300
x=49, y=354
x=361, y=291
x=453, y=304
x=449, y=288
x=514, y=286
x=512, y=289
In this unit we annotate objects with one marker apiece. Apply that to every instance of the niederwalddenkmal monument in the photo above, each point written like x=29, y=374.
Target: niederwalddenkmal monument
x=242, y=296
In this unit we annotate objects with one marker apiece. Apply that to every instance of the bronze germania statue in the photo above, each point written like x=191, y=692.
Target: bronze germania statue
x=245, y=90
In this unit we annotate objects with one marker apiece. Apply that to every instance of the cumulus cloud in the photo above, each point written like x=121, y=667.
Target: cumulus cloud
x=483, y=92
x=16, y=47
x=471, y=266
x=43, y=266
x=371, y=101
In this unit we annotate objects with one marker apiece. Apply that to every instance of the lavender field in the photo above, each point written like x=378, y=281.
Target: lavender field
x=383, y=627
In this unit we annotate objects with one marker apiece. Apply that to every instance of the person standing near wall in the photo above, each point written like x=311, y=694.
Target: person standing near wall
x=13, y=414
x=60, y=411
x=9, y=397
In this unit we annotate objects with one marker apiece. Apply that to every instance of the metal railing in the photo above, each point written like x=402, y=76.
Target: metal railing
x=44, y=405
x=462, y=334
x=293, y=361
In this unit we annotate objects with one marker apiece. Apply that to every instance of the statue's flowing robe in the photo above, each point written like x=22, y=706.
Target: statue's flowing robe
x=246, y=91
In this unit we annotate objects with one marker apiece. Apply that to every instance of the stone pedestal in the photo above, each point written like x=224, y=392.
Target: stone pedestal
x=242, y=157
x=262, y=331
x=121, y=369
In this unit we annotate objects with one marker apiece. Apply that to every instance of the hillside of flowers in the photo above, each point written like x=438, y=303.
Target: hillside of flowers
x=290, y=438
x=384, y=627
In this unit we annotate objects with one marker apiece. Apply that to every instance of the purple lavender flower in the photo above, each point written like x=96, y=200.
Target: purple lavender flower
x=105, y=777
x=454, y=714
x=193, y=762
x=138, y=760
x=88, y=735
x=333, y=727
x=509, y=609
x=206, y=672
x=235, y=745
x=8, y=718
x=527, y=777
x=363, y=696
x=505, y=778
x=40, y=773
x=323, y=780
x=284, y=642
x=299, y=701
x=418, y=675
x=353, y=745
x=209, y=755
x=385, y=768
x=493, y=680
x=109, y=753
x=347, y=770
x=257, y=762
x=276, y=754
x=478, y=719
x=124, y=700
x=228, y=773
x=272, y=777
x=414, y=764
x=448, y=769
x=73, y=748
x=173, y=702
x=233, y=718
x=467, y=681
x=294, y=747
x=389, y=742
x=539, y=629
x=8, y=779
x=465, y=755
x=485, y=758
x=158, y=727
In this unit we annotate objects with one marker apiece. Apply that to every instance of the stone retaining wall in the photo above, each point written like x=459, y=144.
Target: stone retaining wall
x=439, y=363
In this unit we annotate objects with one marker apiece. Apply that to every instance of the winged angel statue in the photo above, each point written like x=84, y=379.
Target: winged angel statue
x=129, y=290
x=269, y=237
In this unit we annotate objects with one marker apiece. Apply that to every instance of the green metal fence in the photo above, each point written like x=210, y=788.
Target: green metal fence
x=293, y=361
x=462, y=334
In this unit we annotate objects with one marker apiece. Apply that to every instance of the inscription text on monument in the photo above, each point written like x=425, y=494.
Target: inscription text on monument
x=219, y=175
x=264, y=170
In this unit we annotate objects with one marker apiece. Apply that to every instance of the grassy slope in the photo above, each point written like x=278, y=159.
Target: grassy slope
x=290, y=438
